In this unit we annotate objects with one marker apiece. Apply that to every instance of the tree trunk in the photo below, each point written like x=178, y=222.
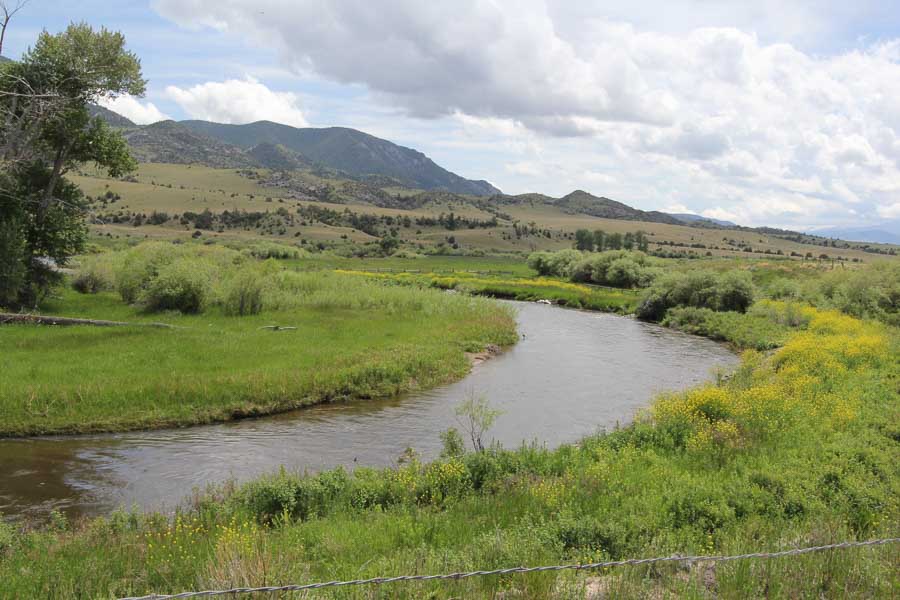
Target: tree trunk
x=51, y=320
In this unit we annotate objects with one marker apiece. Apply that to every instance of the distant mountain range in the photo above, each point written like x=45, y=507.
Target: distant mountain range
x=883, y=233
x=692, y=218
x=271, y=145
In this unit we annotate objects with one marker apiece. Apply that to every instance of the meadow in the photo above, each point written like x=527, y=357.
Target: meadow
x=798, y=447
x=344, y=338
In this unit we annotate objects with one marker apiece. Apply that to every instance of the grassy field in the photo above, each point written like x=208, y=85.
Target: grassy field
x=797, y=448
x=354, y=339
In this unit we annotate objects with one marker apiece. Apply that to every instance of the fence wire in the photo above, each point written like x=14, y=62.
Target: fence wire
x=514, y=570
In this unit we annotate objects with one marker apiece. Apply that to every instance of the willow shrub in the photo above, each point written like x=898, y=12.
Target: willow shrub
x=728, y=291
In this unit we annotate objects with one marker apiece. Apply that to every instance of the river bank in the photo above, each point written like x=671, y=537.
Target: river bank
x=350, y=339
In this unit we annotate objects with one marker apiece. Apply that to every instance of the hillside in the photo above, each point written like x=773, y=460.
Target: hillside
x=113, y=119
x=276, y=156
x=347, y=150
x=169, y=142
x=582, y=203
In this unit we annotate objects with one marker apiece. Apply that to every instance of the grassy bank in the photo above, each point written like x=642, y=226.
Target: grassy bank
x=564, y=293
x=798, y=447
x=354, y=339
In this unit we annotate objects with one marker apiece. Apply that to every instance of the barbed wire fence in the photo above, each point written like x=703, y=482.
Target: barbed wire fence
x=517, y=570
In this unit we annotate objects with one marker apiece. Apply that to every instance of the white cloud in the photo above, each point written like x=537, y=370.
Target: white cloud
x=711, y=106
x=142, y=113
x=238, y=101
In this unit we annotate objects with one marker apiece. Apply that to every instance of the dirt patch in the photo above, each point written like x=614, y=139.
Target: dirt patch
x=489, y=352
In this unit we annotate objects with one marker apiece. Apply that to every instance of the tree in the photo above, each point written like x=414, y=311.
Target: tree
x=628, y=241
x=640, y=239
x=7, y=12
x=614, y=241
x=476, y=417
x=584, y=240
x=46, y=131
x=599, y=240
x=389, y=244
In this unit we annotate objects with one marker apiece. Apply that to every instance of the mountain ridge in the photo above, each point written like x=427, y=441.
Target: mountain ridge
x=343, y=149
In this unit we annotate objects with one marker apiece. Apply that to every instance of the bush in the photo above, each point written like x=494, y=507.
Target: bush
x=95, y=274
x=183, y=285
x=556, y=264
x=244, y=293
x=734, y=291
x=731, y=291
x=141, y=264
x=873, y=292
x=266, y=250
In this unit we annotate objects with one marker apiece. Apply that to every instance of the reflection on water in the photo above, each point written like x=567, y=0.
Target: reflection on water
x=573, y=373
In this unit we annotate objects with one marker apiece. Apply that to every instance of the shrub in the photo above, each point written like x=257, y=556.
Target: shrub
x=616, y=268
x=273, y=250
x=182, y=285
x=734, y=291
x=731, y=291
x=556, y=264
x=141, y=264
x=873, y=292
x=95, y=274
x=244, y=293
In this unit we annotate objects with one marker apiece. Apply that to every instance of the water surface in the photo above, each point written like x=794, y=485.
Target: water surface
x=573, y=373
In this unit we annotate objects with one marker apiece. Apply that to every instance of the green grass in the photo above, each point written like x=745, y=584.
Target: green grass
x=358, y=340
x=445, y=265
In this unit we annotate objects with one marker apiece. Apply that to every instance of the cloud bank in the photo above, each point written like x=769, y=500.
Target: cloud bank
x=238, y=101
x=142, y=113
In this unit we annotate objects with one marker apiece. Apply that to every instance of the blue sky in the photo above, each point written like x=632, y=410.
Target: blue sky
x=778, y=113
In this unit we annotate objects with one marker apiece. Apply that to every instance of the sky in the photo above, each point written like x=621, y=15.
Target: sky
x=782, y=113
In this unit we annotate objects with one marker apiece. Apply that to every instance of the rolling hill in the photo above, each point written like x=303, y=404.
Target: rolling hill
x=583, y=203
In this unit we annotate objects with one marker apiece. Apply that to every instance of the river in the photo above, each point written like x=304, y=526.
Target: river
x=572, y=374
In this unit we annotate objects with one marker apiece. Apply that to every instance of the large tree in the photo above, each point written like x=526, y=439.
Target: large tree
x=45, y=131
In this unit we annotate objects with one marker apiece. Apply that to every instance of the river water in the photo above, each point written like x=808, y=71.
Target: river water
x=573, y=373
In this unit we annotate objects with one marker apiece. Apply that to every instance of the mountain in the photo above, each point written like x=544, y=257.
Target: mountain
x=3, y=59
x=347, y=150
x=113, y=119
x=885, y=233
x=691, y=218
x=170, y=142
x=277, y=157
x=582, y=202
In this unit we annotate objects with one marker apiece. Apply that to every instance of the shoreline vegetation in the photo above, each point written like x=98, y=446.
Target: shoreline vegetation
x=799, y=446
